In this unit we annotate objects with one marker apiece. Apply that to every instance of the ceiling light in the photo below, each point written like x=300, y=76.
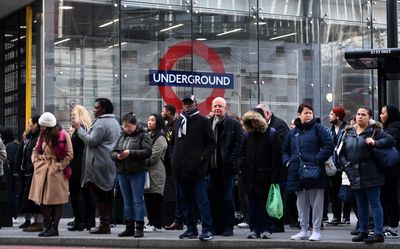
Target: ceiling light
x=109, y=23
x=282, y=36
x=65, y=7
x=228, y=32
x=201, y=39
x=64, y=40
x=172, y=27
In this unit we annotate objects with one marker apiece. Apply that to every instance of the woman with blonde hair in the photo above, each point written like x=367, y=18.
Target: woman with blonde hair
x=83, y=208
x=50, y=158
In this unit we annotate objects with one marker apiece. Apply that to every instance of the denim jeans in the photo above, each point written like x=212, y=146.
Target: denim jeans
x=369, y=197
x=192, y=193
x=222, y=202
x=132, y=188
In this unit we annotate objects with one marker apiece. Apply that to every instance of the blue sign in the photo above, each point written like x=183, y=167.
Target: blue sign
x=190, y=79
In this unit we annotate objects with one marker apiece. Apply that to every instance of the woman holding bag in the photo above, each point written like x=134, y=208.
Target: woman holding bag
x=49, y=187
x=366, y=178
x=310, y=144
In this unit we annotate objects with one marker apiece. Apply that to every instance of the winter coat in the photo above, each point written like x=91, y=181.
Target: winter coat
x=139, y=146
x=76, y=163
x=99, y=141
x=49, y=186
x=393, y=129
x=280, y=126
x=315, y=146
x=260, y=157
x=192, y=151
x=25, y=168
x=229, y=142
x=336, y=140
x=156, y=166
x=358, y=157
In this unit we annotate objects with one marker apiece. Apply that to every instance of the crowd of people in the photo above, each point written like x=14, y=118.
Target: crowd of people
x=189, y=169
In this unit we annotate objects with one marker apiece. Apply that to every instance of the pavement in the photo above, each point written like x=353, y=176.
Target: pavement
x=332, y=237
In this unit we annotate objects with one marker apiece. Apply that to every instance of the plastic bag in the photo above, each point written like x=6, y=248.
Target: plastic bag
x=274, y=204
x=147, y=181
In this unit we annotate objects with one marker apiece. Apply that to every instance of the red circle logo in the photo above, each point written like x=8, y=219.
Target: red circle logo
x=180, y=50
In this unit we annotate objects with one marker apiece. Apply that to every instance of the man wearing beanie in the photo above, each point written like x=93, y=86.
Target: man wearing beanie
x=336, y=118
x=99, y=170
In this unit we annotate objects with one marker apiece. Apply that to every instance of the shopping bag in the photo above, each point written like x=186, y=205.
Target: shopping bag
x=274, y=204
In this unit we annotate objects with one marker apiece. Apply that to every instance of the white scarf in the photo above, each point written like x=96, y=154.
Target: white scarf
x=183, y=127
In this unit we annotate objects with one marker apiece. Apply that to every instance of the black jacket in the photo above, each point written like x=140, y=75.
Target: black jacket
x=260, y=157
x=139, y=145
x=358, y=157
x=23, y=160
x=78, y=147
x=280, y=126
x=192, y=151
x=229, y=142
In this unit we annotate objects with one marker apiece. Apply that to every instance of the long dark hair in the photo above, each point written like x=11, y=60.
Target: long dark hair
x=393, y=114
x=159, y=130
x=50, y=135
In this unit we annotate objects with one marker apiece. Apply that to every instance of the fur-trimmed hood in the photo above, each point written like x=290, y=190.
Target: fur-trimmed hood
x=247, y=118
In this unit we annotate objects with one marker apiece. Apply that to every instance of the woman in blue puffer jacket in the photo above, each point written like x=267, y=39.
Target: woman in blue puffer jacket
x=315, y=145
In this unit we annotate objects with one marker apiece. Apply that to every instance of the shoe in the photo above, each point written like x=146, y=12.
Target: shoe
x=227, y=233
x=378, y=238
x=345, y=223
x=26, y=224
x=205, y=236
x=35, y=227
x=360, y=237
x=243, y=225
x=266, y=235
x=303, y=235
x=71, y=223
x=77, y=227
x=334, y=222
x=389, y=234
x=174, y=226
x=149, y=229
x=315, y=236
x=253, y=235
x=189, y=235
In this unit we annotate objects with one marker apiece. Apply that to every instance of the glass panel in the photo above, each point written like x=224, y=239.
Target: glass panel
x=82, y=55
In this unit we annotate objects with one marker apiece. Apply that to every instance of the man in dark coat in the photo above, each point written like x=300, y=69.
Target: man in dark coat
x=194, y=143
x=224, y=167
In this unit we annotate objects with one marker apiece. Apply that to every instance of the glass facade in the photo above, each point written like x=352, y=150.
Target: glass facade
x=280, y=52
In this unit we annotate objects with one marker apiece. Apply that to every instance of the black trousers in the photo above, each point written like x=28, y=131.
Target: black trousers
x=154, y=207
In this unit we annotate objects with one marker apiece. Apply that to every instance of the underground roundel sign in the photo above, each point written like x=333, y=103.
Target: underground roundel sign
x=165, y=78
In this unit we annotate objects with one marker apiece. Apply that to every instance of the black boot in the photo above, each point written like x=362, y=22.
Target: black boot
x=53, y=231
x=129, y=230
x=139, y=229
x=104, y=212
x=46, y=226
x=360, y=237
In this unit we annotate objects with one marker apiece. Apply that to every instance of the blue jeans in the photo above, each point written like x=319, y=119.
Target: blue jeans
x=222, y=203
x=132, y=189
x=369, y=197
x=192, y=193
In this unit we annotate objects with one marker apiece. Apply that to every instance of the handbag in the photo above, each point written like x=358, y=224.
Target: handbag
x=308, y=170
x=274, y=205
x=386, y=157
x=330, y=168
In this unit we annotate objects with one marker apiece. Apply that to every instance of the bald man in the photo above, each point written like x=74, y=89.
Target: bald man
x=224, y=167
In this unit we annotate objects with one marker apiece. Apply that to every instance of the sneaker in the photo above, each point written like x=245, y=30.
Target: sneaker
x=266, y=235
x=243, y=225
x=303, y=235
x=389, y=234
x=334, y=222
x=189, y=235
x=205, y=236
x=253, y=235
x=149, y=229
x=315, y=236
x=345, y=223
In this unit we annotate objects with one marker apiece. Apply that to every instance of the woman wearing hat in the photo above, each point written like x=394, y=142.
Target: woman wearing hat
x=52, y=154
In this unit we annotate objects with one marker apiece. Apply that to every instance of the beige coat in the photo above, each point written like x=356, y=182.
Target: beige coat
x=49, y=185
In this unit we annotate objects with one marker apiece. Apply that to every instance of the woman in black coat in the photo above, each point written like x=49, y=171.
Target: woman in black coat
x=366, y=177
x=390, y=118
x=260, y=164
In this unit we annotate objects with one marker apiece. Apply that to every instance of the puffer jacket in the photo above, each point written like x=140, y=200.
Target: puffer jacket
x=358, y=157
x=260, y=156
x=314, y=145
x=139, y=145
